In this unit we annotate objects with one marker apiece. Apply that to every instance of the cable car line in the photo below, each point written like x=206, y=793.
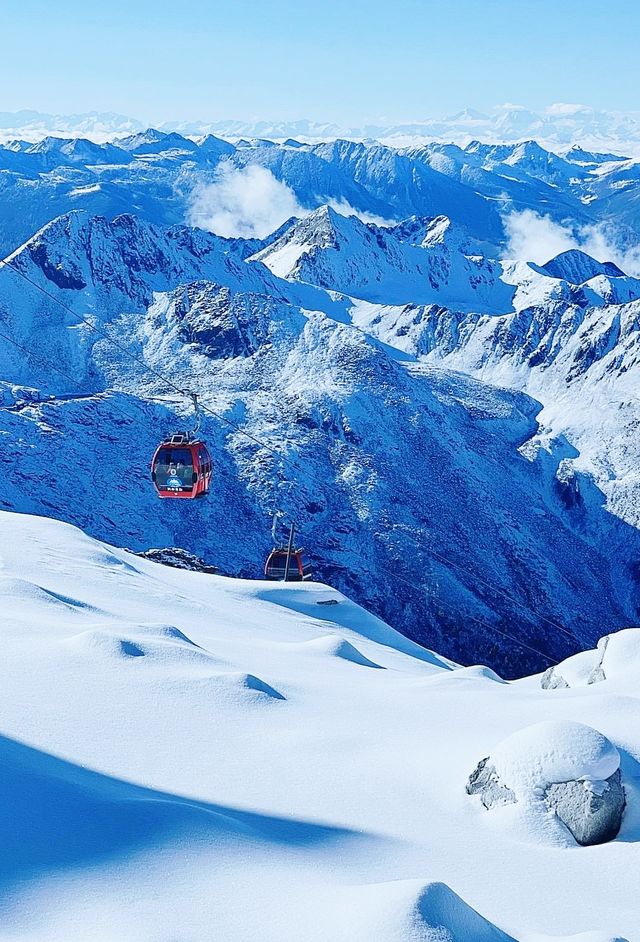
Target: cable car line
x=489, y=585
x=283, y=458
x=500, y=631
x=39, y=359
x=277, y=563
x=300, y=564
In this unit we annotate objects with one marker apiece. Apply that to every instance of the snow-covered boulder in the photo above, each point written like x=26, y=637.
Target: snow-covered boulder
x=617, y=656
x=576, y=671
x=571, y=768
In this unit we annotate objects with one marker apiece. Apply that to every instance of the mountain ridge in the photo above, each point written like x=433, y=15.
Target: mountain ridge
x=396, y=461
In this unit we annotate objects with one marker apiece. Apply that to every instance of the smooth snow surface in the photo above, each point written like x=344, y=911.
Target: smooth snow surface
x=188, y=757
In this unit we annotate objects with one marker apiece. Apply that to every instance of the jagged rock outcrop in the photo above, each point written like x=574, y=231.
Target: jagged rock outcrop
x=178, y=558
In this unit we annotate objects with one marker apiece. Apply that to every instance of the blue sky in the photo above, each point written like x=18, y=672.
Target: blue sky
x=339, y=60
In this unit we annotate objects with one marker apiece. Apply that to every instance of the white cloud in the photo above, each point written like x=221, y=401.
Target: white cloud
x=536, y=238
x=533, y=237
x=510, y=106
x=251, y=203
x=346, y=209
x=248, y=202
x=603, y=243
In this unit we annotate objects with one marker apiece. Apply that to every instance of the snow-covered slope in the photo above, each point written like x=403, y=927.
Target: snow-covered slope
x=387, y=467
x=186, y=756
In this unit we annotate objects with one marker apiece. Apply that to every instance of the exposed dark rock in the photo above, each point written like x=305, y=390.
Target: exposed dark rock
x=67, y=277
x=178, y=558
x=592, y=811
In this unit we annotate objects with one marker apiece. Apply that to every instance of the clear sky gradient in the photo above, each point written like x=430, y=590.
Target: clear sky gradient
x=348, y=61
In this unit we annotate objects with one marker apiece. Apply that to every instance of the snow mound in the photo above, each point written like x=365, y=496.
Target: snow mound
x=616, y=657
x=441, y=916
x=164, y=643
x=340, y=648
x=430, y=912
x=168, y=631
x=586, y=937
x=477, y=670
x=238, y=682
x=26, y=591
x=104, y=644
x=346, y=616
x=546, y=753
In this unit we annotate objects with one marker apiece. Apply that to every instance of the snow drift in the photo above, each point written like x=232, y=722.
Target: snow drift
x=171, y=736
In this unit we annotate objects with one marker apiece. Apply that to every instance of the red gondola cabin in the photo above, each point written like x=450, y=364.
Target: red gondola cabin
x=276, y=566
x=181, y=468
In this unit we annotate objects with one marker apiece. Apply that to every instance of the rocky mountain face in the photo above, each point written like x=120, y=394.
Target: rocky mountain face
x=453, y=432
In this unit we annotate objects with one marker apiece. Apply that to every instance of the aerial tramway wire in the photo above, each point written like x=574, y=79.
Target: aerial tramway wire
x=39, y=359
x=505, y=634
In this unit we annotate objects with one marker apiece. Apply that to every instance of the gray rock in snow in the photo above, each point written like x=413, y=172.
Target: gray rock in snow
x=597, y=675
x=592, y=811
x=178, y=558
x=485, y=782
x=552, y=680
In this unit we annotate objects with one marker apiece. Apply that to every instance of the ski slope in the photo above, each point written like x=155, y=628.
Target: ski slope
x=189, y=757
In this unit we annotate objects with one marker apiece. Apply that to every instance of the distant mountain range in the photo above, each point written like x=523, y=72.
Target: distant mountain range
x=168, y=178
x=557, y=126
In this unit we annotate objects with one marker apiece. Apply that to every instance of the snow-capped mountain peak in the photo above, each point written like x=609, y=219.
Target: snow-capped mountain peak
x=324, y=228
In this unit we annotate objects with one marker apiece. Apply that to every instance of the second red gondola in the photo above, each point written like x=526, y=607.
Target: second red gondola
x=299, y=569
